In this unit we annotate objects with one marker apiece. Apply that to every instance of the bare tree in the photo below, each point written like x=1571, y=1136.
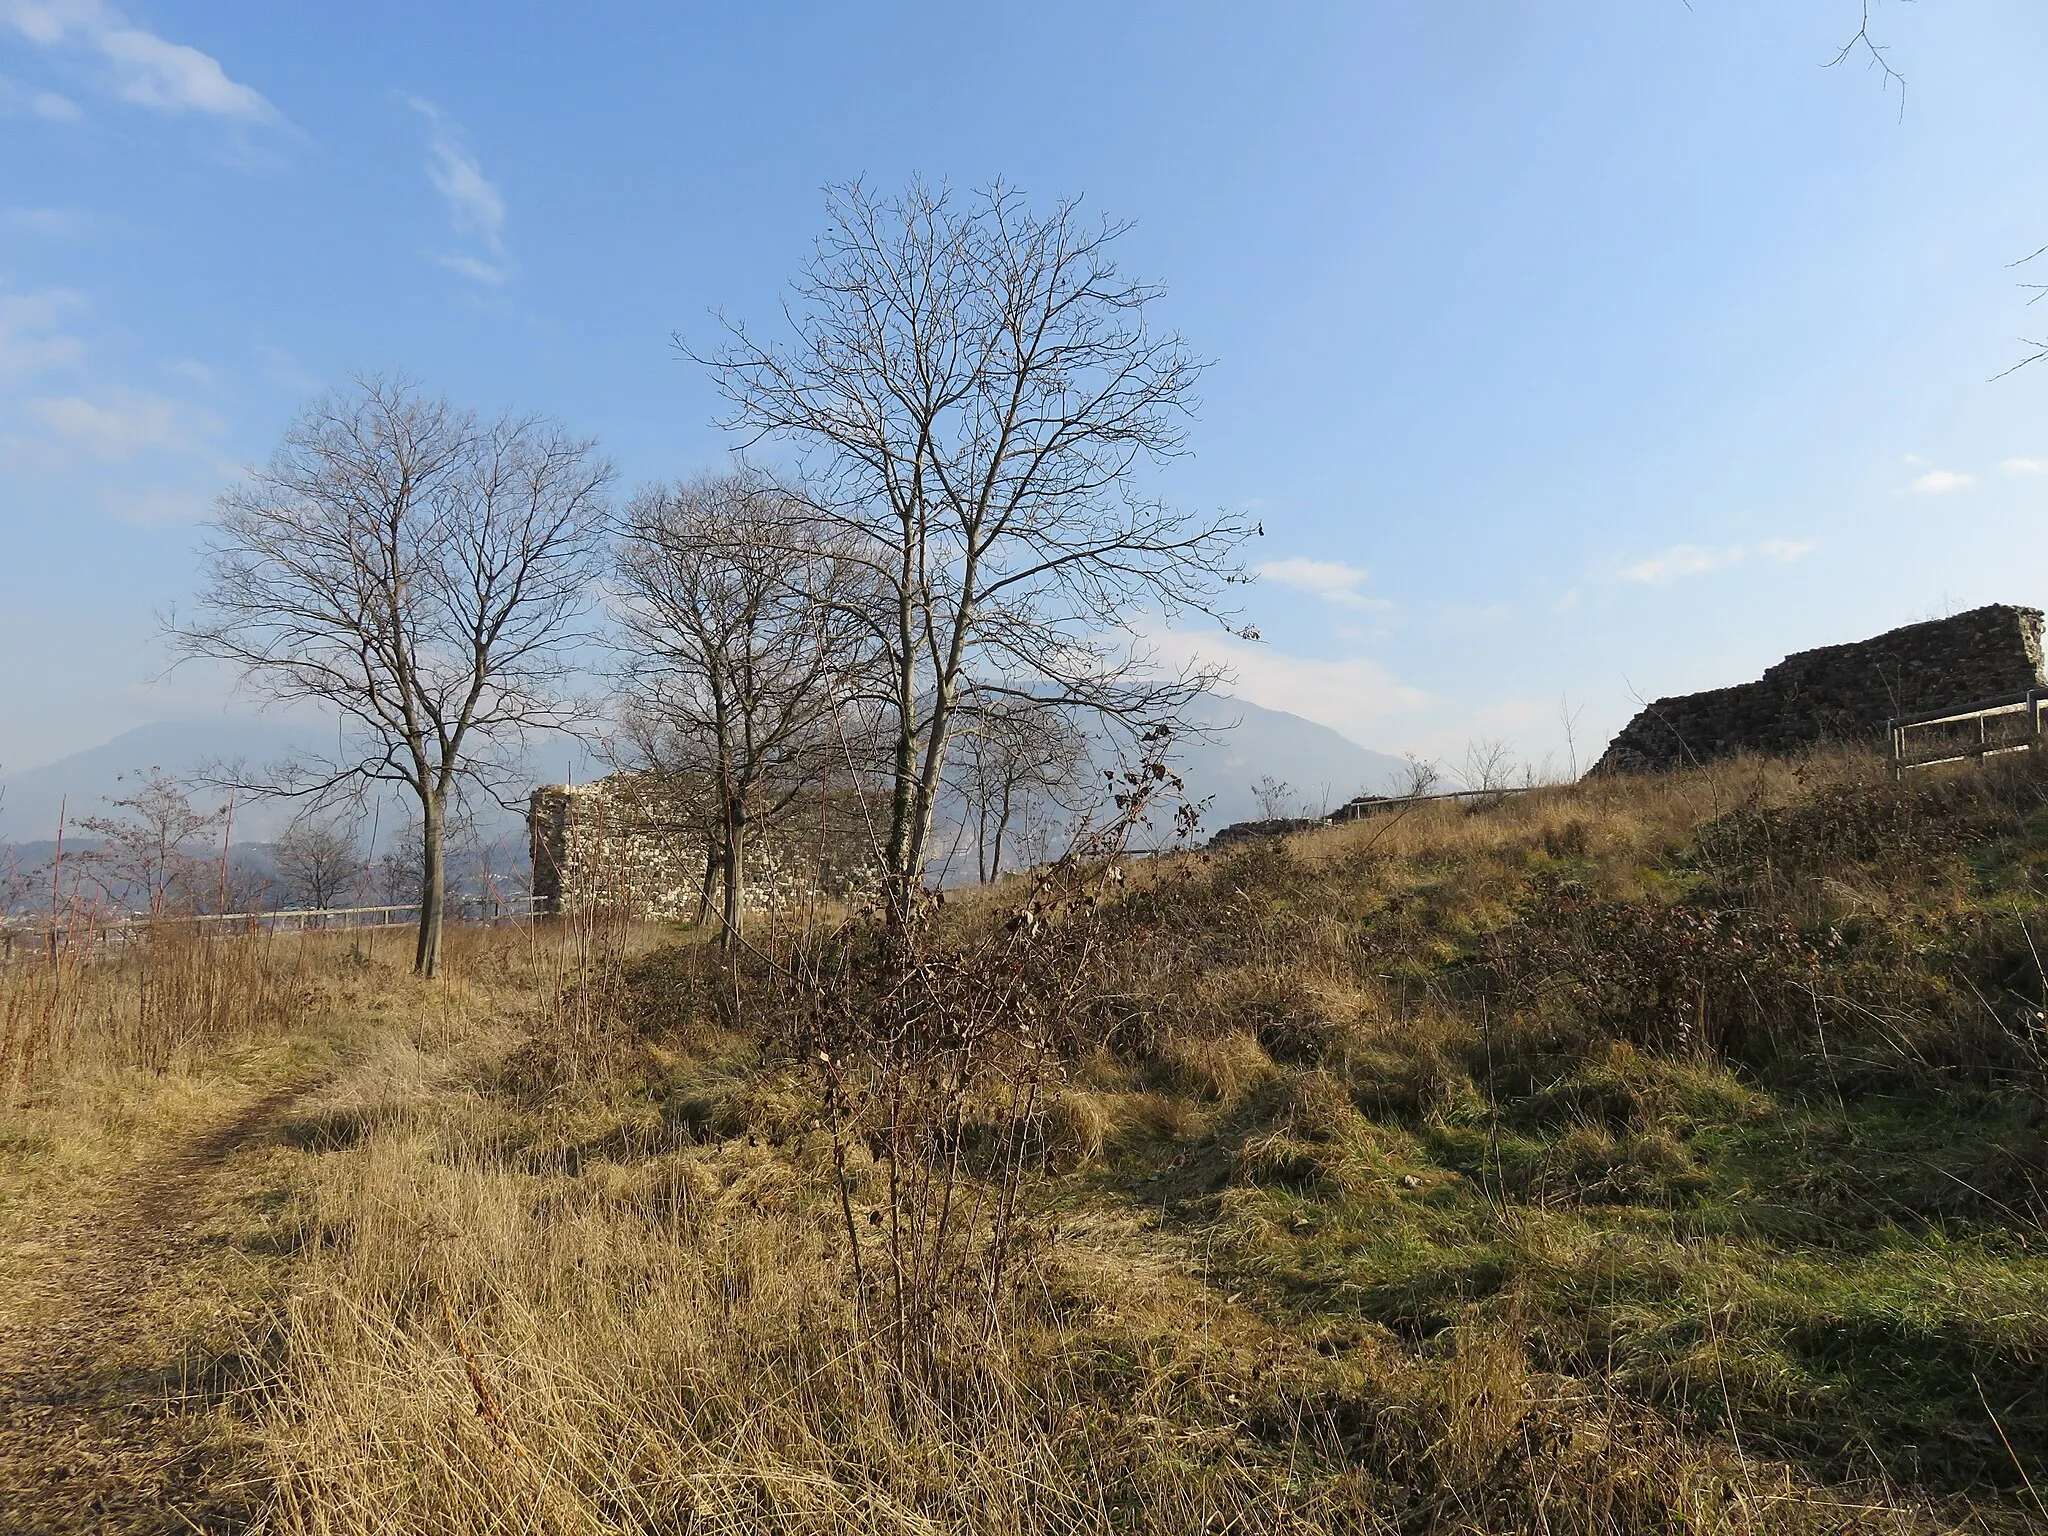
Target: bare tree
x=1489, y=764
x=420, y=573
x=153, y=847
x=318, y=861
x=744, y=642
x=970, y=392
x=1015, y=762
x=1275, y=798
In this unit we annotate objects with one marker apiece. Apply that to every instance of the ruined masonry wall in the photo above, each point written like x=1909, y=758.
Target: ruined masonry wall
x=631, y=843
x=1840, y=692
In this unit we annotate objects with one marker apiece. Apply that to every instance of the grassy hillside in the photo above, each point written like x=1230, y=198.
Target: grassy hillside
x=1649, y=1154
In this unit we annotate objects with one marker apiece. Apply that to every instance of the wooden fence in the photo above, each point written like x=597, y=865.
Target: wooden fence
x=1962, y=732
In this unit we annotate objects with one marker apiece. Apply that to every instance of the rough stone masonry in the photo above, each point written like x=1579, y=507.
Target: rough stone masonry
x=634, y=843
x=1840, y=692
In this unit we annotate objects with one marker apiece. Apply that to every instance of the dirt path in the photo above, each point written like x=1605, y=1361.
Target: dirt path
x=98, y=1433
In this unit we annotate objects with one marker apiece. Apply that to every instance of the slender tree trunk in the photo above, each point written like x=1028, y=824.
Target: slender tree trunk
x=1002, y=826
x=735, y=887
x=924, y=792
x=902, y=803
x=712, y=861
x=898, y=862
x=433, y=884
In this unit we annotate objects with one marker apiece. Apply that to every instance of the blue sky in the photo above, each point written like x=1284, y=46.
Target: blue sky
x=1571, y=351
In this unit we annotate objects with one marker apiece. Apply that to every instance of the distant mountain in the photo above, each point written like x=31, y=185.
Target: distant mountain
x=1245, y=743
x=84, y=782
x=1234, y=746
x=1239, y=745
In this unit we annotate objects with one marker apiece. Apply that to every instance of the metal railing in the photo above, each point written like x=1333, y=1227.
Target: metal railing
x=92, y=930
x=1375, y=805
x=1963, y=732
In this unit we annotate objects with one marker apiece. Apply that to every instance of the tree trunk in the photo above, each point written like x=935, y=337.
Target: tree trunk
x=734, y=886
x=711, y=864
x=1002, y=825
x=433, y=883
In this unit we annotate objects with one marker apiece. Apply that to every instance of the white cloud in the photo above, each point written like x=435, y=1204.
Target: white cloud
x=1698, y=559
x=146, y=70
x=476, y=207
x=1331, y=580
x=2024, y=466
x=17, y=100
x=122, y=424
x=1785, y=551
x=474, y=269
x=32, y=340
x=1680, y=560
x=1938, y=482
x=1351, y=695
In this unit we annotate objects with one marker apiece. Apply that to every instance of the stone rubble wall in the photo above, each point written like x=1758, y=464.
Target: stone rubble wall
x=633, y=843
x=1840, y=692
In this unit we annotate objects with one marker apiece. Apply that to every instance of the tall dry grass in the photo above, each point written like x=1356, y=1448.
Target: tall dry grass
x=602, y=1280
x=148, y=1005
x=562, y=1319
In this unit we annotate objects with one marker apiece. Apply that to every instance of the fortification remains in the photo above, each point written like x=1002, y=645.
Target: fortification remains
x=1840, y=692
x=635, y=843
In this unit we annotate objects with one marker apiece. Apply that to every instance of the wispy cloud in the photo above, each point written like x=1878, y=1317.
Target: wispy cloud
x=1683, y=560
x=1937, y=482
x=1331, y=580
x=32, y=338
x=476, y=208
x=2024, y=466
x=474, y=269
x=142, y=68
x=18, y=100
x=116, y=428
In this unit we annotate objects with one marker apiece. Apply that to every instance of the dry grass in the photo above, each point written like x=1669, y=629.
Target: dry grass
x=1362, y=1199
x=1319, y=1241
x=501, y=1327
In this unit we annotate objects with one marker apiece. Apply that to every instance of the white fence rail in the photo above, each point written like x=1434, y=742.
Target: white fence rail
x=1962, y=732
x=46, y=934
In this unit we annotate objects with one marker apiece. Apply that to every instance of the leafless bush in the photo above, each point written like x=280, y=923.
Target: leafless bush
x=1276, y=799
x=151, y=850
x=1489, y=765
x=938, y=1055
x=1422, y=778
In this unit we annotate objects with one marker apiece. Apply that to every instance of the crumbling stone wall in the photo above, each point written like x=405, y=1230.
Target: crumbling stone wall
x=1840, y=692
x=633, y=843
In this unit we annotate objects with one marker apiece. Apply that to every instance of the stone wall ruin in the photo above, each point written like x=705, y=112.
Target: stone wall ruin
x=1840, y=692
x=634, y=843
